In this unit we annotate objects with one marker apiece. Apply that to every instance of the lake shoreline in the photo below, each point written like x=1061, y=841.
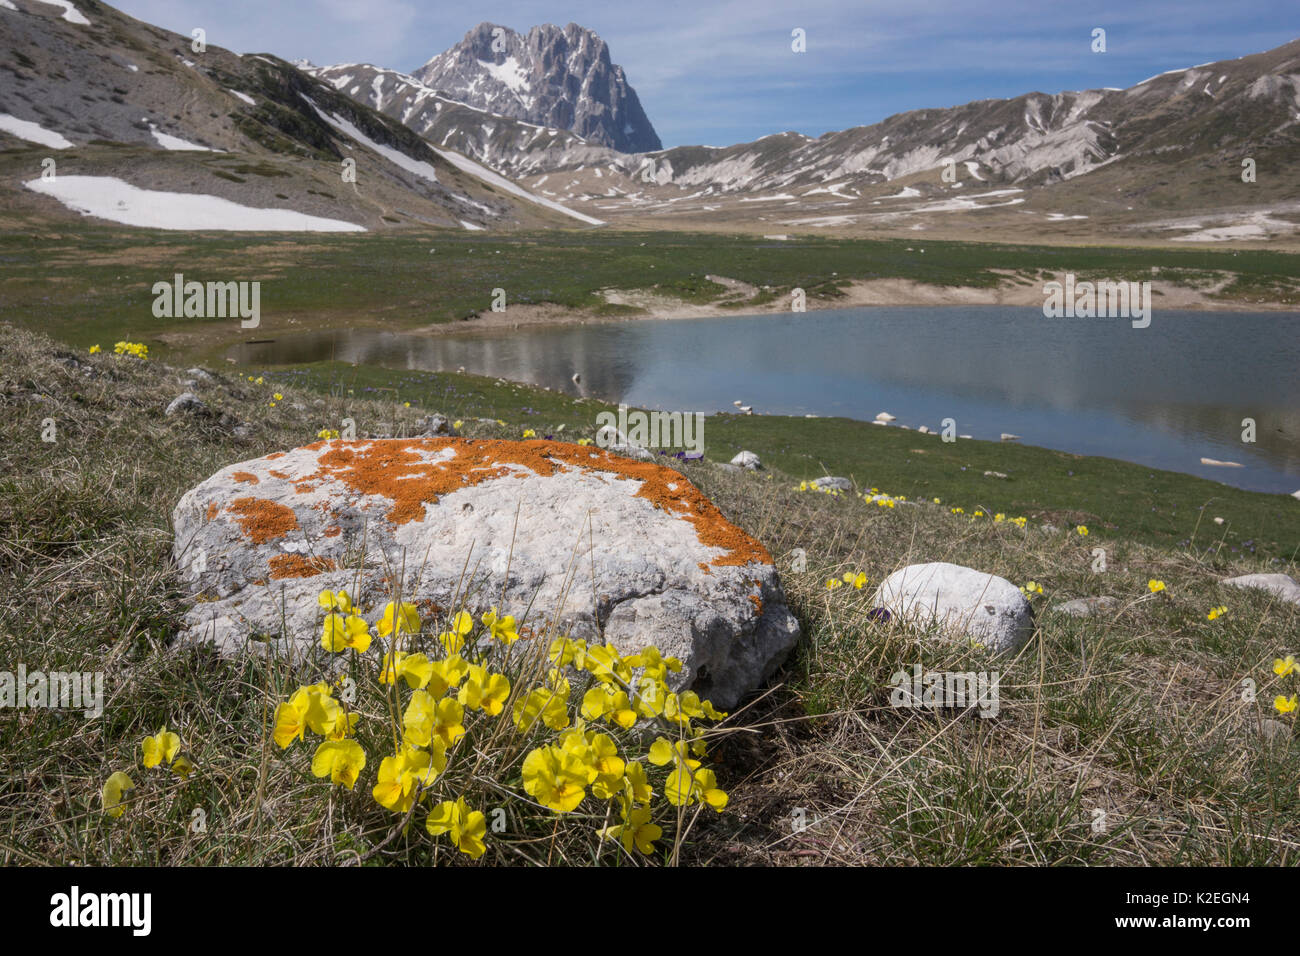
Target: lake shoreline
x=872, y=293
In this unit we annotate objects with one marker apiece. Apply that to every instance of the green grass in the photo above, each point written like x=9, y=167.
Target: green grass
x=1139, y=714
x=1114, y=499
x=96, y=286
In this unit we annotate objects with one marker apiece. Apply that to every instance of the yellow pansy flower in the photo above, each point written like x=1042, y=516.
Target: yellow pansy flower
x=1284, y=666
x=339, y=633
x=454, y=639
x=1155, y=586
x=401, y=776
x=415, y=669
x=484, y=691
x=466, y=827
x=404, y=620
x=557, y=780
x=115, y=786
x=335, y=601
x=501, y=627
x=636, y=830
x=1285, y=705
x=340, y=760
x=163, y=745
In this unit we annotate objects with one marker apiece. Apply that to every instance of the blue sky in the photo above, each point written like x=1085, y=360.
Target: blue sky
x=723, y=72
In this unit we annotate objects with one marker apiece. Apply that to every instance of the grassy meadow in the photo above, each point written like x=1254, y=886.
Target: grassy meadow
x=1125, y=739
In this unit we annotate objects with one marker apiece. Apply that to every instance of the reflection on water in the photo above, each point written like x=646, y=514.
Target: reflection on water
x=1166, y=395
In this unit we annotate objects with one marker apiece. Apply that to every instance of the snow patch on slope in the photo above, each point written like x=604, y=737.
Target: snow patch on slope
x=106, y=197
x=33, y=132
x=495, y=179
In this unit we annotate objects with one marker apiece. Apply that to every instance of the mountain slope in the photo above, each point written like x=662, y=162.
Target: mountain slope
x=1160, y=160
x=145, y=130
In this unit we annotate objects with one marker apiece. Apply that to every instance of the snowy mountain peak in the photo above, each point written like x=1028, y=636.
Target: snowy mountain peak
x=557, y=77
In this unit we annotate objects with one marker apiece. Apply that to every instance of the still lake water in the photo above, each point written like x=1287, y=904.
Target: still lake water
x=1164, y=396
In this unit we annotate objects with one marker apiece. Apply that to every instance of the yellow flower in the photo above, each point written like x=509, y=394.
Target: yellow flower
x=484, y=691
x=613, y=705
x=278, y=397
x=833, y=583
x=328, y=433
x=1032, y=587
x=406, y=404
x=183, y=766
x=858, y=580
x=557, y=779
x=937, y=501
x=502, y=628
x=448, y=720
x=456, y=424
x=564, y=650
x=635, y=784
x=1155, y=586
x=529, y=433
x=1216, y=612
x=401, y=776
x=454, y=639
x=340, y=760
x=1019, y=522
x=95, y=350
x=114, y=787
x=313, y=706
x=606, y=664
x=1081, y=529
x=466, y=827
x=708, y=791
x=635, y=831
x=446, y=674
x=1284, y=666
x=163, y=745
x=334, y=601
x=584, y=442
x=290, y=725
x=339, y=633
x=406, y=619
x=1285, y=705
x=542, y=704
x=416, y=669
x=958, y=511
x=258, y=380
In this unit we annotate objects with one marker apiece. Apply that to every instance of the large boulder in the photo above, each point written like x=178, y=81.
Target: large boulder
x=965, y=603
x=599, y=546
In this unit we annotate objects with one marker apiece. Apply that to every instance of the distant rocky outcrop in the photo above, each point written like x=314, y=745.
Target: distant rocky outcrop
x=551, y=76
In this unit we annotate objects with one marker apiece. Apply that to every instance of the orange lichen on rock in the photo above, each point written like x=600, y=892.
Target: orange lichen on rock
x=299, y=566
x=245, y=477
x=395, y=469
x=332, y=532
x=263, y=520
x=213, y=510
x=758, y=604
x=275, y=473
